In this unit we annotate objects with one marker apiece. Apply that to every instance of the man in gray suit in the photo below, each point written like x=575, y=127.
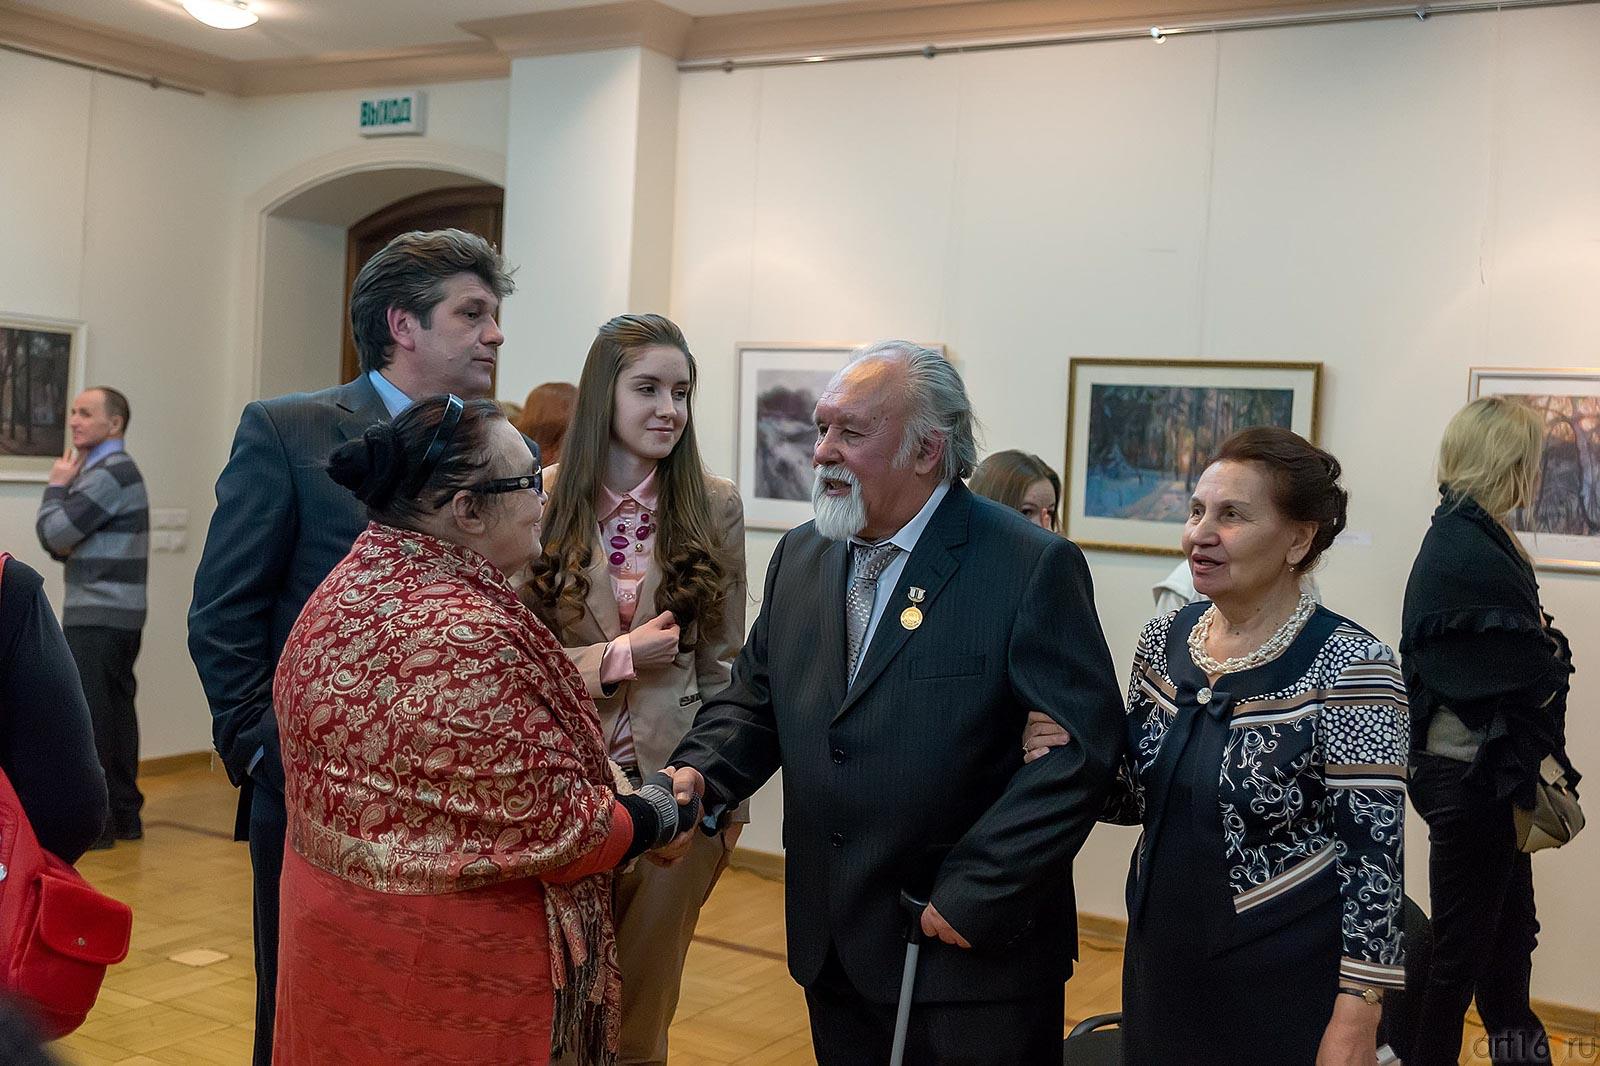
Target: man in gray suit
x=423, y=311
x=904, y=636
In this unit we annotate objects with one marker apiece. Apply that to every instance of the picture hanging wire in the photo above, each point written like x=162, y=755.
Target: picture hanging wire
x=143, y=79
x=1159, y=34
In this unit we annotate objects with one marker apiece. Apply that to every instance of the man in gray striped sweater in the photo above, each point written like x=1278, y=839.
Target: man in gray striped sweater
x=95, y=517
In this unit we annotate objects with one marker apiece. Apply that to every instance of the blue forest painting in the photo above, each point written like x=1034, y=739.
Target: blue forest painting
x=1148, y=444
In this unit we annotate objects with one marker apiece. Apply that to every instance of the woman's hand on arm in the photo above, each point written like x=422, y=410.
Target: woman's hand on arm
x=1040, y=735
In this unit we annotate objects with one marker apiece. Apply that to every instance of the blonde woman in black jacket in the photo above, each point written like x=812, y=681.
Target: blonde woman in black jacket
x=1487, y=674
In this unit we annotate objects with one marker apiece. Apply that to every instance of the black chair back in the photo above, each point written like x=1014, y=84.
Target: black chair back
x=1094, y=1041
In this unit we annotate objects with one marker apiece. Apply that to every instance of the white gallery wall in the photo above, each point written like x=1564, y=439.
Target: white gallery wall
x=114, y=209
x=588, y=218
x=140, y=213
x=1397, y=200
x=302, y=305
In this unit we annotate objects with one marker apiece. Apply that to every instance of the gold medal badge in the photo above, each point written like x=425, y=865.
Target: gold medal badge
x=911, y=617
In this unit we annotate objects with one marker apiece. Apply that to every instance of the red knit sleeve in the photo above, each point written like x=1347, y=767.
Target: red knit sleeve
x=607, y=855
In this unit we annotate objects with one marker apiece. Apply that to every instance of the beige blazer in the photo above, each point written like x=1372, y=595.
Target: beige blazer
x=663, y=701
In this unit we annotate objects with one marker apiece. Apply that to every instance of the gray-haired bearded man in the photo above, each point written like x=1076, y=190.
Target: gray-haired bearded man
x=903, y=638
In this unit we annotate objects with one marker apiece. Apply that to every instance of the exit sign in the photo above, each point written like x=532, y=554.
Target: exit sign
x=382, y=116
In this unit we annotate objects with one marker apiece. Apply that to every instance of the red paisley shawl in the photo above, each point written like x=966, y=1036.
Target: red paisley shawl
x=436, y=739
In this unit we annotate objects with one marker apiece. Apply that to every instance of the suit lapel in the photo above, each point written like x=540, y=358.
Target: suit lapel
x=360, y=406
x=932, y=563
x=834, y=572
x=602, y=597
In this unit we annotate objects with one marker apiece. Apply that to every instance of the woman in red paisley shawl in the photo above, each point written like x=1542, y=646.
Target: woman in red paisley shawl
x=453, y=819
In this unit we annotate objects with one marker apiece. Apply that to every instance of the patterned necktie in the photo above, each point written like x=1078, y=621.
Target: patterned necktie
x=870, y=562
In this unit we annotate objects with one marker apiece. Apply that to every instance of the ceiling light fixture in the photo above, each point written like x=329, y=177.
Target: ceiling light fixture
x=222, y=14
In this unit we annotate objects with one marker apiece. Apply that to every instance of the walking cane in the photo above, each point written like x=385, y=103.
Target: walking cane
x=908, y=977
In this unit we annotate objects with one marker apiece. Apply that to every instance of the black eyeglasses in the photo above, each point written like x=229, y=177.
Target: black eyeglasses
x=534, y=481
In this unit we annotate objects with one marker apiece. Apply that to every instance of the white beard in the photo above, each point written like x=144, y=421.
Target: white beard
x=838, y=517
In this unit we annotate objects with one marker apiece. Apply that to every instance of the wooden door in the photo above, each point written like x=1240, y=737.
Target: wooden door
x=475, y=208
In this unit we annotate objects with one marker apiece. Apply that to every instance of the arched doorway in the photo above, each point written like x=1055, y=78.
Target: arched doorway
x=476, y=208
x=305, y=254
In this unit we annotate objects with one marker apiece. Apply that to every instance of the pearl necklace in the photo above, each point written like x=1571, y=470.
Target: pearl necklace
x=1274, y=646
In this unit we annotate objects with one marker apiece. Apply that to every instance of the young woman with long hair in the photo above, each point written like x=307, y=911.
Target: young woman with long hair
x=642, y=578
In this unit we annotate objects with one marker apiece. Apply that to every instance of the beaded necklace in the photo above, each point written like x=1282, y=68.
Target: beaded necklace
x=1274, y=646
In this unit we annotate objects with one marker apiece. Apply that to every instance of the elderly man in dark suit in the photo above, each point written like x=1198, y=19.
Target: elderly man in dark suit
x=903, y=638
x=423, y=311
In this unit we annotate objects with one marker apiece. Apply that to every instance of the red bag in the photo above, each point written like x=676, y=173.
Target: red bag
x=57, y=932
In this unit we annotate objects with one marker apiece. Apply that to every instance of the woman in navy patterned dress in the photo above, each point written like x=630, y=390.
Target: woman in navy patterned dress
x=1266, y=762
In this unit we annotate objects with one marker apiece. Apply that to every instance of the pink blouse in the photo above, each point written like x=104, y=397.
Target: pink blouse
x=628, y=535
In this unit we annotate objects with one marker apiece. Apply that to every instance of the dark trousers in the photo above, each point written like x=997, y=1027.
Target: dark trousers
x=105, y=665
x=849, y=1030
x=1484, y=927
x=269, y=826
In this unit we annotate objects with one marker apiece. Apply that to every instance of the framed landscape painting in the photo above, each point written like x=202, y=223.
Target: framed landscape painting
x=1561, y=530
x=41, y=369
x=778, y=389
x=1141, y=431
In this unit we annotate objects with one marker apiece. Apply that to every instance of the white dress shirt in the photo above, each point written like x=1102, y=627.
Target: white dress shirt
x=906, y=540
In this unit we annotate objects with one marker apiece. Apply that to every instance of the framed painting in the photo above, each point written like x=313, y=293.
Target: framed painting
x=1140, y=431
x=1561, y=529
x=41, y=370
x=778, y=389
x=779, y=385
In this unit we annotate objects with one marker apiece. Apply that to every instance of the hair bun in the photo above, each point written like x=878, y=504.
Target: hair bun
x=1335, y=506
x=371, y=467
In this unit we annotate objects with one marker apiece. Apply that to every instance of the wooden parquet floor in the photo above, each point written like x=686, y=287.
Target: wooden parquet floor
x=186, y=994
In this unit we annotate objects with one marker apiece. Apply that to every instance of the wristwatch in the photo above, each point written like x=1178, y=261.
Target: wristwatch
x=1372, y=996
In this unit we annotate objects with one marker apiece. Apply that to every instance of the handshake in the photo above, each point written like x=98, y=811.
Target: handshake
x=666, y=808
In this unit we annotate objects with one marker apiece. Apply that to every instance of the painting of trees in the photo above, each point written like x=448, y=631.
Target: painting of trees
x=34, y=366
x=1148, y=444
x=1568, y=500
x=786, y=431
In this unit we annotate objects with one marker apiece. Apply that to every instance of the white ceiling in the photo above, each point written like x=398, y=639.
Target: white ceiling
x=292, y=28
